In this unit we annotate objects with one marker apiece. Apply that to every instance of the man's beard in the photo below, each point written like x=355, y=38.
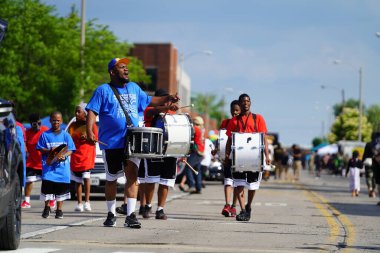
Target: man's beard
x=124, y=80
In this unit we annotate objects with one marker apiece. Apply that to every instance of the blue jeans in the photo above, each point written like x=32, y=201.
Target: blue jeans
x=194, y=180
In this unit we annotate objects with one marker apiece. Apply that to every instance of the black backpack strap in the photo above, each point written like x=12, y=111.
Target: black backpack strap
x=254, y=120
x=128, y=119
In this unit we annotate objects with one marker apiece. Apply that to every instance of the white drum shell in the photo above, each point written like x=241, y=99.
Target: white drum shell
x=247, y=151
x=178, y=136
x=222, y=140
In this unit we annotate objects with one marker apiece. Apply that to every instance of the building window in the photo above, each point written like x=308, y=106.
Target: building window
x=152, y=72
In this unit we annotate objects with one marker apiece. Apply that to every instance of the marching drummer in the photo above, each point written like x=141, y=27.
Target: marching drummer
x=229, y=210
x=246, y=122
x=117, y=103
x=55, y=165
x=157, y=170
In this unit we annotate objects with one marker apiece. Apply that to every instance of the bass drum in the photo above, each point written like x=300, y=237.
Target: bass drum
x=178, y=135
x=247, y=152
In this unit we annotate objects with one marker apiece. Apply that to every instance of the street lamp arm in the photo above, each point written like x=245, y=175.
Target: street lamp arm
x=184, y=57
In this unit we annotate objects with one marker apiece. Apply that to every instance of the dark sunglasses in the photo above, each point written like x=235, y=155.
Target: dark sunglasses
x=34, y=124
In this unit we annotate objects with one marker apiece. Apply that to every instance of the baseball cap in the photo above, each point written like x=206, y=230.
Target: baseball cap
x=115, y=61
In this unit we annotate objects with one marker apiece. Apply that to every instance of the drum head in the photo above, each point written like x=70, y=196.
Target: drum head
x=55, y=153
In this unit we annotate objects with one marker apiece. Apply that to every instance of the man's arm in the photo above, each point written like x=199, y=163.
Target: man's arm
x=91, y=120
x=228, y=148
x=162, y=100
x=267, y=158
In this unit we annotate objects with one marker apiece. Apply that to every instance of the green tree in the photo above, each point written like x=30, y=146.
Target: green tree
x=209, y=105
x=317, y=140
x=40, y=58
x=351, y=103
x=346, y=126
x=373, y=115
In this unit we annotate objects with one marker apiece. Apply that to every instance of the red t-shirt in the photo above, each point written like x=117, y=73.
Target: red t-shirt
x=34, y=159
x=84, y=156
x=224, y=124
x=199, y=139
x=245, y=124
x=148, y=120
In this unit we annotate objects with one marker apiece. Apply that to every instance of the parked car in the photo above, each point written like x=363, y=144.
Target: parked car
x=98, y=175
x=11, y=176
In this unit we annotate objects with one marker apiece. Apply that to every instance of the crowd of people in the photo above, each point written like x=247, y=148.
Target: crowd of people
x=56, y=156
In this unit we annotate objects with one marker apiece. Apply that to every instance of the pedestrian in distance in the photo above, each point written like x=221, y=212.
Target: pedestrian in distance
x=354, y=168
x=55, y=166
x=117, y=104
x=83, y=159
x=375, y=145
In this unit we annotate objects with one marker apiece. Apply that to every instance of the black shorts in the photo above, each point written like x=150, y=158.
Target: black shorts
x=227, y=168
x=114, y=162
x=33, y=175
x=141, y=173
x=53, y=190
x=248, y=176
x=165, y=168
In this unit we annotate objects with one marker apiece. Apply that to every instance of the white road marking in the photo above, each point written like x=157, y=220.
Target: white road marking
x=33, y=250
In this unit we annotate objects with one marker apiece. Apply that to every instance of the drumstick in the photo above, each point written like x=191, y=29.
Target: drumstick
x=105, y=144
x=196, y=172
x=192, y=105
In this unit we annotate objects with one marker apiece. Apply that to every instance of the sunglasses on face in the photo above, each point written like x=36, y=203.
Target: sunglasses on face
x=35, y=124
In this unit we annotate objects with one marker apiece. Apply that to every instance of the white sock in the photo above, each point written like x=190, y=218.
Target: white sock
x=111, y=206
x=160, y=208
x=131, y=206
x=27, y=199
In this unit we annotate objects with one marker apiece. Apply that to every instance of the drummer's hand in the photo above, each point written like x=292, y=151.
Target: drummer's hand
x=91, y=137
x=173, y=98
x=173, y=107
x=214, y=152
x=268, y=161
x=182, y=159
x=61, y=158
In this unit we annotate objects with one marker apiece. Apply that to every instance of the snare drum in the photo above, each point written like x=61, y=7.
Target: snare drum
x=222, y=140
x=178, y=135
x=145, y=142
x=247, y=151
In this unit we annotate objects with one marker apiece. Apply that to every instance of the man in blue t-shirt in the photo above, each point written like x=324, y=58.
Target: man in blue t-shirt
x=113, y=126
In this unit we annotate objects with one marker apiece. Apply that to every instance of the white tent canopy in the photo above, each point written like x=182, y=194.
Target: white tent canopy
x=329, y=149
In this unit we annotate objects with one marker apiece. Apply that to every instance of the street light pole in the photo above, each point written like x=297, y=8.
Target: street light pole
x=82, y=42
x=341, y=90
x=182, y=59
x=360, y=103
x=360, y=70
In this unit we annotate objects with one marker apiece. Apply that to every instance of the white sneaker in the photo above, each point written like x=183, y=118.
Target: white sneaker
x=87, y=207
x=79, y=208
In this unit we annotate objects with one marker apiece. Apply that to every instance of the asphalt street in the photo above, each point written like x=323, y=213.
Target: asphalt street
x=312, y=215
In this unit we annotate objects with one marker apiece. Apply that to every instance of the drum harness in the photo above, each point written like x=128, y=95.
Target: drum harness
x=127, y=118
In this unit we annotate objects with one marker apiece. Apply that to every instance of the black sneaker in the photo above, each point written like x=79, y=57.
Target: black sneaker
x=243, y=216
x=110, y=221
x=132, y=222
x=46, y=212
x=141, y=210
x=147, y=210
x=160, y=215
x=58, y=214
x=122, y=209
x=248, y=210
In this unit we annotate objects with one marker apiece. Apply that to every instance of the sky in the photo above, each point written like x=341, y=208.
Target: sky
x=280, y=52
